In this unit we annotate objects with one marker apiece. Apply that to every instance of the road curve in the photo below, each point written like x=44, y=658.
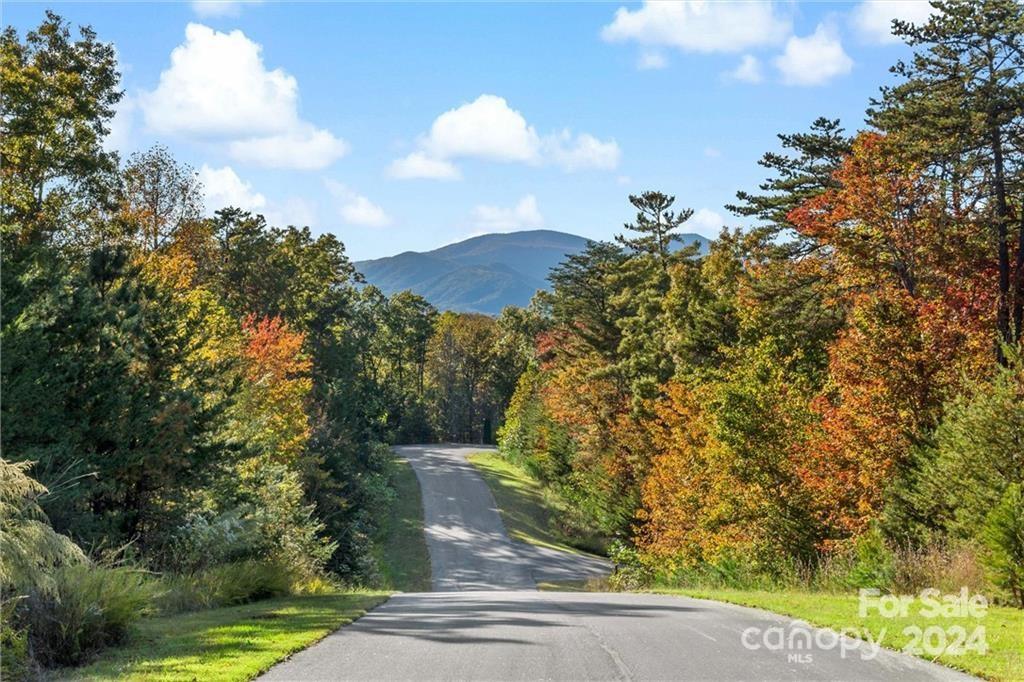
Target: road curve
x=469, y=546
x=485, y=620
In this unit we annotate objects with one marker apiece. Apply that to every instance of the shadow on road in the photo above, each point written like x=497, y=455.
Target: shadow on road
x=469, y=619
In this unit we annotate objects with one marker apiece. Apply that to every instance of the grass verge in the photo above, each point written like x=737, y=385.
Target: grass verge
x=404, y=558
x=232, y=643
x=1004, y=627
x=530, y=515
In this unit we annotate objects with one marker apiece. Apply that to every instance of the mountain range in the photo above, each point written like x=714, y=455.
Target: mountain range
x=482, y=274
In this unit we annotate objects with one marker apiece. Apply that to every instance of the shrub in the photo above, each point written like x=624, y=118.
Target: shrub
x=28, y=545
x=947, y=568
x=286, y=526
x=30, y=551
x=14, y=659
x=90, y=607
x=1003, y=535
x=630, y=572
x=873, y=564
x=209, y=540
x=224, y=585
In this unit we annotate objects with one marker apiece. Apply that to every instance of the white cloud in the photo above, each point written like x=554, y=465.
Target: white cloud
x=303, y=148
x=624, y=180
x=705, y=222
x=292, y=211
x=223, y=188
x=583, y=151
x=699, y=26
x=748, y=70
x=712, y=152
x=419, y=165
x=524, y=215
x=217, y=86
x=814, y=59
x=361, y=211
x=651, y=60
x=488, y=128
x=873, y=18
x=356, y=209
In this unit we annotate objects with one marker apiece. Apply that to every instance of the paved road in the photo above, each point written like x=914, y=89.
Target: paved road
x=485, y=620
x=469, y=547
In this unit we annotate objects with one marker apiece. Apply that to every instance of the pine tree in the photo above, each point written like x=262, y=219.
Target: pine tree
x=656, y=225
x=804, y=171
x=582, y=295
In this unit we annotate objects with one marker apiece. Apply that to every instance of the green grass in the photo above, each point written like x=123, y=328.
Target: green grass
x=530, y=514
x=404, y=558
x=232, y=643
x=1004, y=627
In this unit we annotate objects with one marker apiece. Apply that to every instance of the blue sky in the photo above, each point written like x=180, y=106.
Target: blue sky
x=408, y=126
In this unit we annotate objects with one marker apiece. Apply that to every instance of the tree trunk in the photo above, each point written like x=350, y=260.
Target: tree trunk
x=1018, y=293
x=1002, y=217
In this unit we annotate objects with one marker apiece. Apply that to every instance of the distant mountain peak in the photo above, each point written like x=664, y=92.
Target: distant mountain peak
x=483, y=273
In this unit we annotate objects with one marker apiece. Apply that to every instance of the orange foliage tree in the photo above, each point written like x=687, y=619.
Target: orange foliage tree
x=278, y=386
x=918, y=320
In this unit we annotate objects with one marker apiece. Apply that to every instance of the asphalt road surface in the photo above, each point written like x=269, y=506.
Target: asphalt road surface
x=486, y=620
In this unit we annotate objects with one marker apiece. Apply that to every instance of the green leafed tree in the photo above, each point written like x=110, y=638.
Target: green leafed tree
x=57, y=100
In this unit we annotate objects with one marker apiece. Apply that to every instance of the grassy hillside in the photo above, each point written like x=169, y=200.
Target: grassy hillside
x=530, y=513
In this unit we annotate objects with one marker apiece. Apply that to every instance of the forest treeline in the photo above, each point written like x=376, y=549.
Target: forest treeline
x=835, y=392
x=195, y=411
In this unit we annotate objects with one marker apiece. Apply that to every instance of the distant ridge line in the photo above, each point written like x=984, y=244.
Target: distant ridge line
x=484, y=273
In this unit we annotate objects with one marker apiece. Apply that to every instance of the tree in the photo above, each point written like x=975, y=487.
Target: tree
x=513, y=352
x=976, y=454
x=581, y=301
x=97, y=383
x=701, y=305
x=880, y=401
x=724, y=481
x=643, y=282
x=790, y=293
x=408, y=326
x=271, y=411
x=459, y=365
x=160, y=196
x=58, y=97
x=881, y=224
x=797, y=177
x=1003, y=536
x=959, y=110
x=655, y=223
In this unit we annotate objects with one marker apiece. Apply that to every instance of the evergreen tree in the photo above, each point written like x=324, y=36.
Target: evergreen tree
x=803, y=171
x=581, y=299
x=790, y=296
x=655, y=224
